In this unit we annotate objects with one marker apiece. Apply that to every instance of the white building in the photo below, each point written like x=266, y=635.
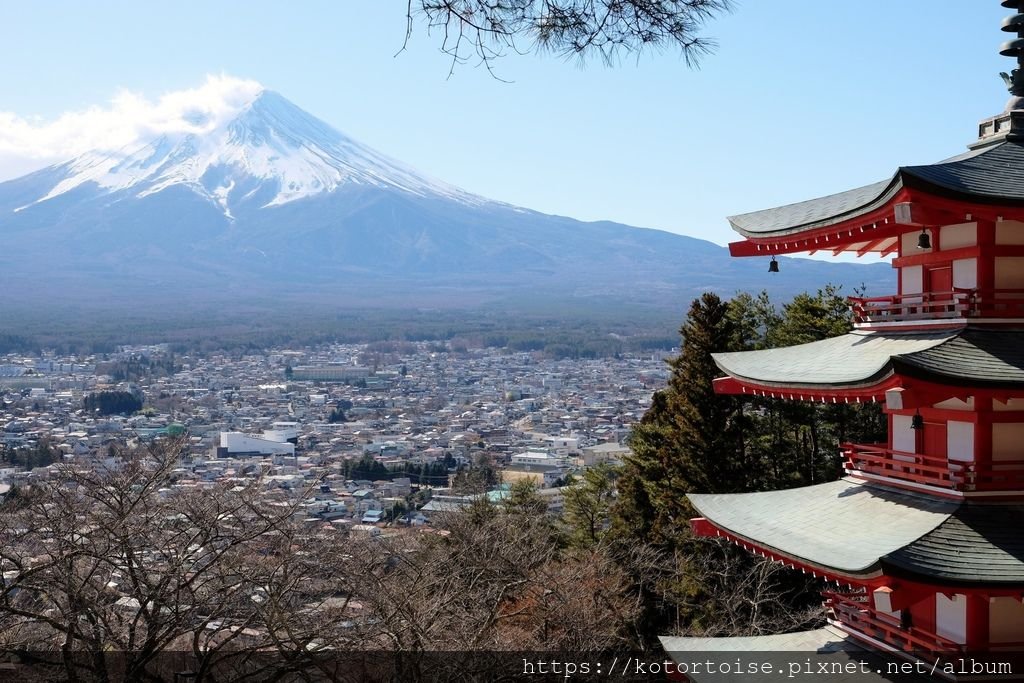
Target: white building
x=239, y=443
x=537, y=458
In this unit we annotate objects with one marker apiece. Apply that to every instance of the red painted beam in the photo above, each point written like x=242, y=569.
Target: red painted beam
x=738, y=387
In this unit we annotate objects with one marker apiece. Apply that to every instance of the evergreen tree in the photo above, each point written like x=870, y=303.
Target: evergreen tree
x=690, y=439
x=693, y=440
x=588, y=504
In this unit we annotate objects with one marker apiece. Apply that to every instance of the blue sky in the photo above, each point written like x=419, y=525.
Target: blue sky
x=802, y=97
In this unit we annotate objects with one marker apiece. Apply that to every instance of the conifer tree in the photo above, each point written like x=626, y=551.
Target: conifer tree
x=690, y=439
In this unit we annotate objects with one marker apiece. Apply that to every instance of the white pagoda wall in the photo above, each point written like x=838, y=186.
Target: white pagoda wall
x=1007, y=441
x=951, y=617
x=1009, y=232
x=957, y=236
x=960, y=441
x=903, y=435
x=1005, y=620
x=965, y=273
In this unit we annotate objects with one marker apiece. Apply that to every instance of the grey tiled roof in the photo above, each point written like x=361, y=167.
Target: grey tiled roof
x=841, y=525
x=994, y=173
x=967, y=357
x=852, y=359
x=813, y=213
x=989, y=175
x=980, y=543
x=976, y=356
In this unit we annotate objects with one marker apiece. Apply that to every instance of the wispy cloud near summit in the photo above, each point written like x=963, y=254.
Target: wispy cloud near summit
x=27, y=144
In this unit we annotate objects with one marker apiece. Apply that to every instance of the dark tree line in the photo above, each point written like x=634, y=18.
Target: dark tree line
x=29, y=457
x=370, y=469
x=112, y=403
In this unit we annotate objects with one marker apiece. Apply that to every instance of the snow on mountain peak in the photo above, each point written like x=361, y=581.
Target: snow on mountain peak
x=269, y=146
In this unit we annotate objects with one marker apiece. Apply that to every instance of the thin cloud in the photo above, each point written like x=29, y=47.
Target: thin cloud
x=27, y=144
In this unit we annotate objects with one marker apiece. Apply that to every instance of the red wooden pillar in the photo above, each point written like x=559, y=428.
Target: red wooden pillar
x=977, y=622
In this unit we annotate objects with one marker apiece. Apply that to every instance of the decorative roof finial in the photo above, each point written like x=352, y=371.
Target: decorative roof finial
x=1014, y=48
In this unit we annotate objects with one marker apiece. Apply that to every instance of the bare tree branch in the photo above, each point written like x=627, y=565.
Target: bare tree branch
x=488, y=29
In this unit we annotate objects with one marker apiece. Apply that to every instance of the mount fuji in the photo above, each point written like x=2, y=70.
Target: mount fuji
x=274, y=204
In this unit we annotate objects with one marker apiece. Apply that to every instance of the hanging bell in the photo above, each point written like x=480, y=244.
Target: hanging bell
x=773, y=267
x=924, y=241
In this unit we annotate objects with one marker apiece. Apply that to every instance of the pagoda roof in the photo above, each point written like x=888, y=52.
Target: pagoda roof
x=965, y=356
x=866, y=530
x=990, y=175
x=979, y=543
x=975, y=356
x=842, y=525
x=853, y=359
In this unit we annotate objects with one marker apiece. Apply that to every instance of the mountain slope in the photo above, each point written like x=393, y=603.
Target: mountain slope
x=274, y=203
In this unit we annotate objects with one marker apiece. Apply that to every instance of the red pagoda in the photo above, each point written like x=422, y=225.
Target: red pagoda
x=924, y=536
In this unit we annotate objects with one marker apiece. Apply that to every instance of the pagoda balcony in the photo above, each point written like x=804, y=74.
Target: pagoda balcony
x=954, y=305
x=918, y=469
x=861, y=619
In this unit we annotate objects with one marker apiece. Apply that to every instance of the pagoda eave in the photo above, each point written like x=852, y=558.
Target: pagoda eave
x=867, y=393
x=872, y=576
x=929, y=365
x=811, y=528
x=876, y=230
x=916, y=391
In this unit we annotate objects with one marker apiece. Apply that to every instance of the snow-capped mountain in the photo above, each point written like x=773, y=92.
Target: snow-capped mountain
x=271, y=203
x=271, y=150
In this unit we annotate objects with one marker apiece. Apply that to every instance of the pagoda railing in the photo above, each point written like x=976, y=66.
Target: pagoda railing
x=862, y=618
x=1002, y=475
x=900, y=307
x=881, y=461
x=996, y=303
x=958, y=303
x=878, y=460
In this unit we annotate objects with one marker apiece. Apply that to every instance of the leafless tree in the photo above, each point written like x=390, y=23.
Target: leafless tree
x=491, y=579
x=105, y=574
x=97, y=562
x=728, y=592
x=487, y=29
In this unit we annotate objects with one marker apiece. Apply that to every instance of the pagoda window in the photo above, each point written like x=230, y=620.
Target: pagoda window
x=951, y=617
x=1005, y=621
